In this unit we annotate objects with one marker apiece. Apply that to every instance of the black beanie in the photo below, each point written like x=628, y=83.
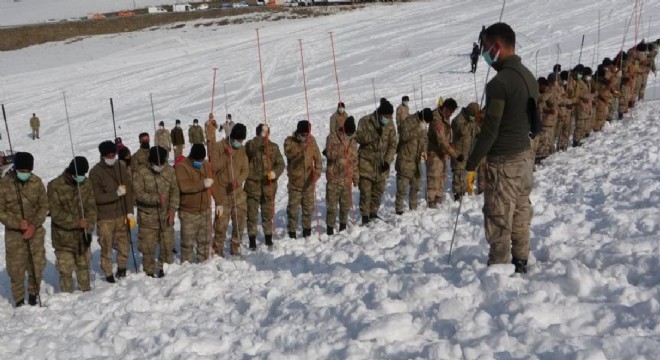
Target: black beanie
x=158, y=155
x=607, y=62
x=78, y=163
x=385, y=107
x=349, y=126
x=304, y=127
x=23, y=161
x=178, y=122
x=107, y=147
x=238, y=132
x=161, y=123
x=427, y=115
x=405, y=98
x=197, y=152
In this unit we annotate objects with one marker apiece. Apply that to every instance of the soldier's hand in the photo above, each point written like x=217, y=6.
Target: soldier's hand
x=23, y=225
x=219, y=210
x=470, y=182
x=82, y=224
x=130, y=221
x=385, y=166
x=425, y=156
x=170, y=218
x=460, y=158
x=161, y=198
x=208, y=183
x=229, y=151
x=121, y=190
x=272, y=175
x=234, y=185
x=29, y=232
x=87, y=239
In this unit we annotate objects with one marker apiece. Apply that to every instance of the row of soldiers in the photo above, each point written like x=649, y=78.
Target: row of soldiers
x=579, y=101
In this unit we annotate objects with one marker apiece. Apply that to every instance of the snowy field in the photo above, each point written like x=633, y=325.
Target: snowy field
x=377, y=292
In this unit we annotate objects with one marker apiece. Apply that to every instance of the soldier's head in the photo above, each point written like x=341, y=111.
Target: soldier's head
x=197, y=154
x=472, y=110
x=578, y=71
x=108, y=151
x=341, y=107
x=601, y=73
x=552, y=79
x=33, y=114
x=564, y=77
x=427, y=115
x=78, y=168
x=385, y=111
x=211, y=116
x=195, y=122
x=144, y=140
x=499, y=42
x=349, y=127
x=157, y=158
x=448, y=108
x=23, y=166
x=237, y=135
x=441, y=100
x=608, y=64
x=587, y=73
x=303, y=129
x=543, y=84
x=161, y=125
x=405, y=99
x=177, y=123
x=556, y=68
x=263, y=130
x=228, y=117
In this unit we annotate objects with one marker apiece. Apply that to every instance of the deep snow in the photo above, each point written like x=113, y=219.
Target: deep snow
x=385, y=291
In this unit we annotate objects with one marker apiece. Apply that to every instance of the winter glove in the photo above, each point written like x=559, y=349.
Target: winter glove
x=470, y=182
x=208, y=183
x=86, y=239
x=385, y=166
x=23, y=225
x=219, y=210
x=272, y=175
x=130, y=220
x=460, y=158
x=425, y=156
x=121, y=190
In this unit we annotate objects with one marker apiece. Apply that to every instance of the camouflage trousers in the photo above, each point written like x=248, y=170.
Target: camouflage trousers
x=260, y=196
x=565, y=129
x=481, y=177
x=236, y=211
x=545, y=141
x=371, y=192
x=195, y=232
x=407, y=187
x=625, y=98
x=642, y=88
x=581, y=127
x=639, y=80
x=18, y=262
x=113, y=234
x=459, y=181
x=602, y=111
x=305, y=199
x=436, y=177
x=338, y=195
x=507, y=208
x=178, y=151
x=35, y=133
x=150, y=240
x=77, y=261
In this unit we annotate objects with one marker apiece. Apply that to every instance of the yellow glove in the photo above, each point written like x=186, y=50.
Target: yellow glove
x=272, y=175
x=470, y=182
x=130, y=220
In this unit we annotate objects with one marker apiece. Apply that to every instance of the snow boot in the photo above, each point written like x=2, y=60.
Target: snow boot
x=521, y=265
x=620, y=115
x=373, y=216
x=457, y=196
x=20, y=303
x=307, y=233
x=342, y=227
x=151, y=275
x=32, y=300
x=399, y=213
x=330, y=231
x=121, y=273
x=235, y=249
x=253, y=242
x=365, y=220
x=292, y=234
x=161, y=273
x=269, y=240
x=110, y=279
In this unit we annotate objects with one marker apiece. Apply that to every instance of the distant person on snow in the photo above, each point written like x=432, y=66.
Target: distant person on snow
x=474, y=57
x=178, y=140
x=338, y=117
x=402, y=111
x=35, y=123
x=195, y=134
x=341, y=173
x=163, y=137
x=229, y=124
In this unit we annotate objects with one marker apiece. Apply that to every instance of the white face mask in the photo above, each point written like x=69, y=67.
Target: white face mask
x=405, y=103
x=156, y=168
x=110, y=162
x=587, y=78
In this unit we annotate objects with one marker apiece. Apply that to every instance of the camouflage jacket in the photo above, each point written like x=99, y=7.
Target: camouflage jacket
x=412, y=143
x=229, y=165
x=194, y=197
x=164, y=139
x=64, y=201
x=261, y=162
x=177, y=136
x=139, y=159
x=337, y=121
x=34, y=123
x=105, y=181
x=210, y=128
x=149, y=186
x=439, y=137
x=195, y=135
x=34, y=201
x=402, y=112
x=342, y=167
x=375, y=149
x=464, y=136
x=304, y=164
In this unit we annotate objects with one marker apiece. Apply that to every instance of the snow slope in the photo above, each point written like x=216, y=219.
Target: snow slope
x=384, y=291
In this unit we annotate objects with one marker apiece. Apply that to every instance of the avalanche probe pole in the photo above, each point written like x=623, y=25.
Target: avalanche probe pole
x=123, y=201
x=159, y=205
x=20, y=202
x=581, y=46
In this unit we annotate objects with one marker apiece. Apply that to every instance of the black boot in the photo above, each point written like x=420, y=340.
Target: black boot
x=399, y=213
x=365, y=220
x=521, y=265
x=161, y=273
x=20, y=303
x=32, y=299
x=330, y=230
x=292, y=234
x=151, y=275
x=253, y=242
x=269, y=240
x=620, y=115
x=457, y=196
x=110, y=279
x=342, y=226
x=121, y=273
x=373, y=216
x=307, y=233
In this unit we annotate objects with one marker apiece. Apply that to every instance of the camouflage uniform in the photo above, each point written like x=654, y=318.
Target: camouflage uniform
x=376, y=153
x=139, y=159
x=35, y=123
x=260, y=191
x=341, y=174
x=34, y=209
x=402, y=113
x=194, y=210
x=178, y=141
x=210, y=128
x=548, y=109
x=304, y=166
x=603, y=99
x=195, y=135
x=71, y=251
x=411, y=147
x=439, y=149
x=112, y=209
x=565, y=123
x=230, y=169
x=164, y=139
x=157, y=199
x=464, y=132
x=582, y=100
x=337, y=121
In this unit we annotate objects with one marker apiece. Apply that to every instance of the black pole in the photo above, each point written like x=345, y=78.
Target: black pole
x=581, y=46
x=20, y=203
x=123, y=201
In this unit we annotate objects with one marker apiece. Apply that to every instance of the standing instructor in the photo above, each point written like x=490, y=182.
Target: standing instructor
x=504, y=141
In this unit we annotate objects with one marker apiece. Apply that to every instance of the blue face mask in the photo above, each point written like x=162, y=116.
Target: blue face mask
x=80, y=178
x=383, y=120
x=486, y=55
x=197, y=164
x=23, y=176
x=236, y=144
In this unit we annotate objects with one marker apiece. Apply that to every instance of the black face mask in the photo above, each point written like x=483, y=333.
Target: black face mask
x=144, y=145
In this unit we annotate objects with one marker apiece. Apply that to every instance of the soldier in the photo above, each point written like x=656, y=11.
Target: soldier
x=626, y=80
x=438, y=149
x=464, y=129
x=124, y=152
x=474, y=58
x=338, y=117
x=411, y=151
x=504, y=140
x=266, y=166
x=230, y=169
x=581, y=97
x=614, y=81
x=210, y=129
x=228, y=125
x=377, y=138
x=163, y=137
x=341, y=174
x=192, y=176
x=73, y=219
x=23, y=210
x=402, y=111
x=544, y=142
x=141, y=156
x=304, y=166
x=604, y=94
x=195, y=133
x=178, y=141
x=566, y=111
x=157, y=199
x=35, y=123
x=113, y=192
